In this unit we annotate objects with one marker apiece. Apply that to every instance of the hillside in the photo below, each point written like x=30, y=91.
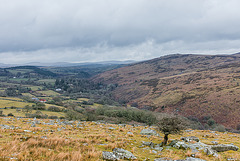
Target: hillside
x=197, y=86
x=44, y=139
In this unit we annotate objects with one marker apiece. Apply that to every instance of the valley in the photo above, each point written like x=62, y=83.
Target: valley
x=97, y=112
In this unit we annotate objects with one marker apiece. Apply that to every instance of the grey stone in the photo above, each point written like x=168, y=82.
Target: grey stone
x=210, y=152
x=122, y=125
x=181, y=145
x=158, y=148
x=173, y=142
x=214, y=142
x=163, y=159
x=187, y=159
x=44, y=137
x=149, y=132
x=147, y=143
x=224, y=147
x=109, y=156
x=129, y=133
x=193, y=159
x=123, y=154
x=190, y=138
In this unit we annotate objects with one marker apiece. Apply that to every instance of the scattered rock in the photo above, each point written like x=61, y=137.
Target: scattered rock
x=193, y=159
x=109, y=156
x=122, y=125
x=214, y=142
x=210, y=152
x=111, y=128
x=173, y=142
x=187, y=159
x=163, y=159
x=24, y=138
x=33, y=125
x=123, y=154
x=129, y=133
x=190, y=138
x=150, y=144
x=44, y=137
x=149, y=132
x=224, y=147
x=157, y=147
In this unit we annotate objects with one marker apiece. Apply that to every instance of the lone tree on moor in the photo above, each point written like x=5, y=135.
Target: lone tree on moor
x=171, y=125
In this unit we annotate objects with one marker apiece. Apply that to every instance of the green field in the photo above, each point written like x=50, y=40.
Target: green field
x=34, y=88
x=22, y=71
x=49, y=93
x=9, y=103
x=52, y=81
x=22, y=114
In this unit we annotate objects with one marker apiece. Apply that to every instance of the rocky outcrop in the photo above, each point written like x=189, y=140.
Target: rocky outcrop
x=109, y=156
x=190, y=138
x=152, y=145
x=187, y=159
x=210, y=150
x=117, y=154
x=224, y=147
x=149, y=132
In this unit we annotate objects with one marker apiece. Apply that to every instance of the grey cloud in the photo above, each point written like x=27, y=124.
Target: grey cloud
x=86, y=29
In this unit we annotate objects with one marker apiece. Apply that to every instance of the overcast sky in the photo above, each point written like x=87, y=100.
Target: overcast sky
x=101, y=30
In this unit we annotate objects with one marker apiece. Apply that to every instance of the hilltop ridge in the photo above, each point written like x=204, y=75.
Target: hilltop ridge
x=198, y=86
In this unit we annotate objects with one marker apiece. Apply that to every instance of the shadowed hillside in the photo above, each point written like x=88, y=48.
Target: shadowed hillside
x=197, y=86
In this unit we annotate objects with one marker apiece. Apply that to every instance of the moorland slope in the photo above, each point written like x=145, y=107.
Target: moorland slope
x=197, y=86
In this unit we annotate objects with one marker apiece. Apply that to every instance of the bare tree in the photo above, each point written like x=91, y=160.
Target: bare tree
x=171, y=125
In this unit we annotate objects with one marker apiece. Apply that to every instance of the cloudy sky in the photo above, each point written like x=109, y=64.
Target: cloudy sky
x=101, y=30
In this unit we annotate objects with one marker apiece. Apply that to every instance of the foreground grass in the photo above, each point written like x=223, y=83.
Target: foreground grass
x=85, y=141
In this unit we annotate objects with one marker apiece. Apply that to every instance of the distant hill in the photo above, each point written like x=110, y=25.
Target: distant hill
x=27, y=70
x=67, y=64
x=196, y=86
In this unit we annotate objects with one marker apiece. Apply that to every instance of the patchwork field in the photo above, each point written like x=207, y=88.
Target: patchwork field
x=33, y=139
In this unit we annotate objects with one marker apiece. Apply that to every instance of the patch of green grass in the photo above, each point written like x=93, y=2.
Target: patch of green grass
x=34, y=88
x=8, y=103
x=49, y=93
x=52, y=81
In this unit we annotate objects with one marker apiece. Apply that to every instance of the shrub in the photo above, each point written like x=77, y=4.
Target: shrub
x=238, y=127
x=211, y=122
x=220, y=128
x=130, y=114
x=13, y=107
x=27, y=109
x=52, y=117
x=37, y=114
x=54, y=109
x=73, y=115
x=10, y=114
x=171, y=125
x=39, y=106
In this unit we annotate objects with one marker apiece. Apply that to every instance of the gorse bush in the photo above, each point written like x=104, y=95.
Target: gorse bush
x=54, y=109
x=73, y=115
x=121, y=114
x=129, y=114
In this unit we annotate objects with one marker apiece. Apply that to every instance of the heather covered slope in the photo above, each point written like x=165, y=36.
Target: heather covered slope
x=200, y=86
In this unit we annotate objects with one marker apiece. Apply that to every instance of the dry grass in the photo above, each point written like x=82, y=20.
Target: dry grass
x=45, y=142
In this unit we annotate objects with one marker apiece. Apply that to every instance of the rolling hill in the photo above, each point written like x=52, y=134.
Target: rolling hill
x=196, y=86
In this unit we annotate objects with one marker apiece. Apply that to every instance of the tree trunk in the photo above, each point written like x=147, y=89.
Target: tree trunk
x=165, y=139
